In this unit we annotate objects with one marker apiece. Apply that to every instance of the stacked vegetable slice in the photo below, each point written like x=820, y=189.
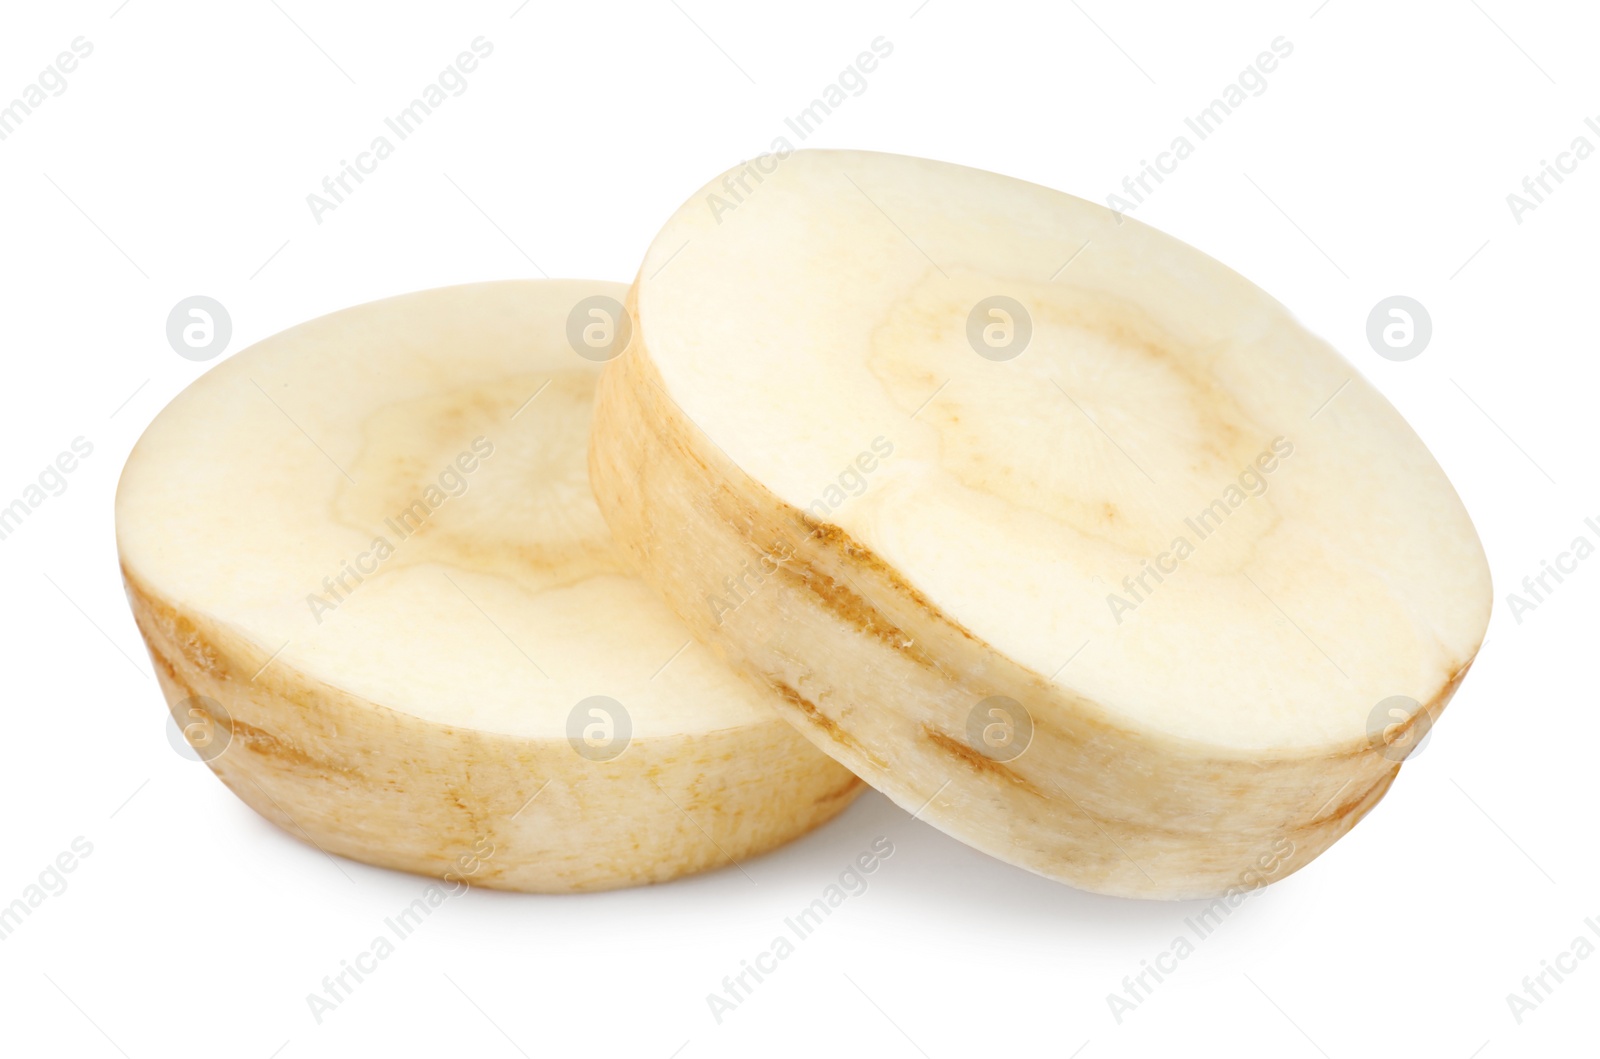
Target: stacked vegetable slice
x=1070, y=539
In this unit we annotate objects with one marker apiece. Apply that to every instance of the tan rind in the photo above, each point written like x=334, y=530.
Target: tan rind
x=357, y=779
x=884, y=681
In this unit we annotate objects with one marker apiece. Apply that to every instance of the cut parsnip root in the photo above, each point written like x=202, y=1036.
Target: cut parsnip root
x=1057, y=531
x=366, y=560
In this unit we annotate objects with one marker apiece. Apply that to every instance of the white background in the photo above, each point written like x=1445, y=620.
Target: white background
x=1377, y=162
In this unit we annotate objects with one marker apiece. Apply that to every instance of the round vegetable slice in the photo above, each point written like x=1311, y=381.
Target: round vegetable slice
x=384, y=608
x=1058, y=531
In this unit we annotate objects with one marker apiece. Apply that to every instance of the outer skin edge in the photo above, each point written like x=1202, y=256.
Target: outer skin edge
x=359, y=779
x=879, y=678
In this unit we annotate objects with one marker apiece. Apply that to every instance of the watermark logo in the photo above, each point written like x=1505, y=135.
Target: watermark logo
x=52, y=482
x=740, y=183
x=849, y=884
x=852, y=480
x=1140, y=986
x=739, y=588
x=1539, y=186
x=451, y=82
x=51, y=82
x=1537, y=588
x=1000, y=728
x=1391, y=732
x=1398, y=328
x=341, y=985
x=1538, y=988
x=999, y=328
x=51, y=882
x=1251, y=483
x=599, y=728
x=452, y=483
x=1137, y=187
x=198, y=328
x=199, y=728
x=599, y=328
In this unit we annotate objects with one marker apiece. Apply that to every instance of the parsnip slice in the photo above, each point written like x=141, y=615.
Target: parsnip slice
x=1053, y=528
x=490, y=693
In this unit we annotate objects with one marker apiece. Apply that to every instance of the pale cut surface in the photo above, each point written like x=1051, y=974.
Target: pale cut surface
x=1180, y=531
x=410, y=705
